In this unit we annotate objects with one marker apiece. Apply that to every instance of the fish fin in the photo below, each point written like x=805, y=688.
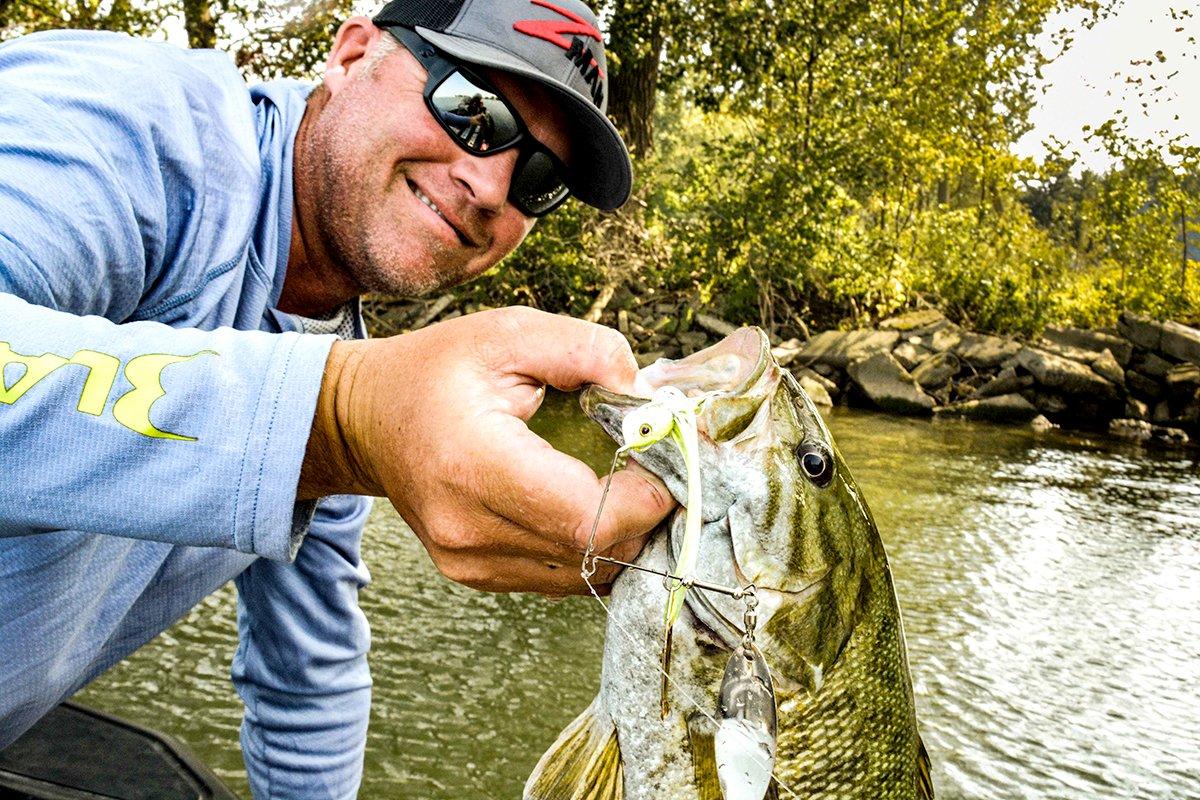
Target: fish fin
x=584, y=763
x=704, y=757
x=924, y=778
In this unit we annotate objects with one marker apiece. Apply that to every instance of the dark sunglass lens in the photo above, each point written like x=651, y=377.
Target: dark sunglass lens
x=537, y=187
x=474, y=114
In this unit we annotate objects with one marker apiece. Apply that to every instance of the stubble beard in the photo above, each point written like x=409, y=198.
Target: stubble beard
x=352, y=222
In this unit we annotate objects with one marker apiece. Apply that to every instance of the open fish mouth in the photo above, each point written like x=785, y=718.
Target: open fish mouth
x=727, y=368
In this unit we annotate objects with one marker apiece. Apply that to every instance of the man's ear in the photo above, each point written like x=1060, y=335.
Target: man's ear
x=354, y=40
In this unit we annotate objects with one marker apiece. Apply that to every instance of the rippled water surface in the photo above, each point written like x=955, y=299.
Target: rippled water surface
x=1051, y=594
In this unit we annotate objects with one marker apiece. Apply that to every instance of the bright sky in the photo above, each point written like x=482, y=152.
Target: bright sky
x=1090, y=83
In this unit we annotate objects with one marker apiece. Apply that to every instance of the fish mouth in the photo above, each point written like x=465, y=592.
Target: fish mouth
x=729, y=367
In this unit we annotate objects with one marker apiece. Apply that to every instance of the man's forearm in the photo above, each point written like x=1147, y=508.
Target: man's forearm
x=140, y=430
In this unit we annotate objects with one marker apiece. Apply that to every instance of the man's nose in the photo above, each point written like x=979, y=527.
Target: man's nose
x=486, y=179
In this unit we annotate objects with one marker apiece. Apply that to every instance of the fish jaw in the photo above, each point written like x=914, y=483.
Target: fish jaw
x=733, y=376
x=663, y=458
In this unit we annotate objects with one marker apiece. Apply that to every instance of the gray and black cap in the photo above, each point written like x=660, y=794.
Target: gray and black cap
x=554, y=42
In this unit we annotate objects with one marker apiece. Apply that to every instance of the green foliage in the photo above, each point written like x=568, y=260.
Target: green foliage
x=18, y=17
x=827, y=162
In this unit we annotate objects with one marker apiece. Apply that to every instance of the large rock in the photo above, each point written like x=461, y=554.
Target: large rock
x=1095, y=341
x=830, y=387
x=1004, y=408
x=1108, y=367
x=815, y=389
x=916, y=323
x=839, y=348
x=889, y=385
x=967, y=387
x=829, y=371
x=985, y=352
x=1142, y=331
x=1135, y=430
x=946, y=339
x=786, y=352
x=1183, y=380
x=937, y=371
x=1065, y=375
x=1142, y=385
x=1169, y=338
x=1181, y=342
x=1066, y=351
x=715, y=325
x=1007, y=380
x=1049, y=403
x=1189, y=411
x=1136, y=409
x=1103, y=363
x=1171, y=437
x=910, y=354
x=1151, y=364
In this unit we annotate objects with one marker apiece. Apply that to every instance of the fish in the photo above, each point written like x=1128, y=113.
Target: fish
x=822, y=696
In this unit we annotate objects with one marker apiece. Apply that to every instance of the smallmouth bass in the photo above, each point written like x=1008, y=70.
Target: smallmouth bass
x=780, y=510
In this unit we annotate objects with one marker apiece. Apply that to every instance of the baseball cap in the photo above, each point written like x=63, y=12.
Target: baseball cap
x=554, y=42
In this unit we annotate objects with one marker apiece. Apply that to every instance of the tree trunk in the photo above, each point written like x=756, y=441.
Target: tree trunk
x=200, y=25
x=637, y=36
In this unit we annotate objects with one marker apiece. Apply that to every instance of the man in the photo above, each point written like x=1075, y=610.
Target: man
x=146, y=464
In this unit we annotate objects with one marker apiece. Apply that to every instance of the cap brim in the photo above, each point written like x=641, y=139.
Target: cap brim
x=601, y=174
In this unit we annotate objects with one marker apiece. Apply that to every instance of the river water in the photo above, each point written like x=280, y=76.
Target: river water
x=1050, y=585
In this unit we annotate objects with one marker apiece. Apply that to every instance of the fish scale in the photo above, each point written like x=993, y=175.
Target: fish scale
x=780, y=510
x=866, y=697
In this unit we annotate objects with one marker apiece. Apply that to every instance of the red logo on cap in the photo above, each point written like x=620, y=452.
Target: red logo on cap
x=556, y=31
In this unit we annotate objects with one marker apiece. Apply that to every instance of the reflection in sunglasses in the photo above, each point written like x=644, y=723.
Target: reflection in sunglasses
x=482, y=122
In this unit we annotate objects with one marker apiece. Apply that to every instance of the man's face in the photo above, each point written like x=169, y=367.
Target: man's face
x=398, y=204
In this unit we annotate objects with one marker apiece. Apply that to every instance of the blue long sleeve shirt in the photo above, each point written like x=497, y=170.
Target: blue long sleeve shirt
x=155, y=406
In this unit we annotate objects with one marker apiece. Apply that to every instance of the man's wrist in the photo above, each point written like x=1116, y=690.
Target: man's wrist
x=331, y=462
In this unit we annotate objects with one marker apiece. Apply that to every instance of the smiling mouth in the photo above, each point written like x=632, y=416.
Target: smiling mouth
x=427, y=201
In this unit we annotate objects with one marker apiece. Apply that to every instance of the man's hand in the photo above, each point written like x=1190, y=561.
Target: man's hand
x=435, y=420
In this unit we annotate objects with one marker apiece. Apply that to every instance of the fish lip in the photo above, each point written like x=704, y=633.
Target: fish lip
x=749, y=345
x=608, y=408
x=594, y=396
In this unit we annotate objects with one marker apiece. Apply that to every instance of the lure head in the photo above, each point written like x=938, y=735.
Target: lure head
x=646, y=425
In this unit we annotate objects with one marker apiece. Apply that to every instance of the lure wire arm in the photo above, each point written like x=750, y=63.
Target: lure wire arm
x=690, y=581
x=589, y=569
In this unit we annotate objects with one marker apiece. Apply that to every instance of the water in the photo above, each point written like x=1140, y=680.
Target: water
x=1051, y=594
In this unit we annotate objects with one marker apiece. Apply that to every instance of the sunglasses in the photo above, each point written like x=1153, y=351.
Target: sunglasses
x=481, y=121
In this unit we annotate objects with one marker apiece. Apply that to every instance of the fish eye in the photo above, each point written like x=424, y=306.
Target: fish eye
x=645, y=429
x=817, y=464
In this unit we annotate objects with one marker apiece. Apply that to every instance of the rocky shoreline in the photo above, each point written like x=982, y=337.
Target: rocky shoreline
x=1139, y=381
